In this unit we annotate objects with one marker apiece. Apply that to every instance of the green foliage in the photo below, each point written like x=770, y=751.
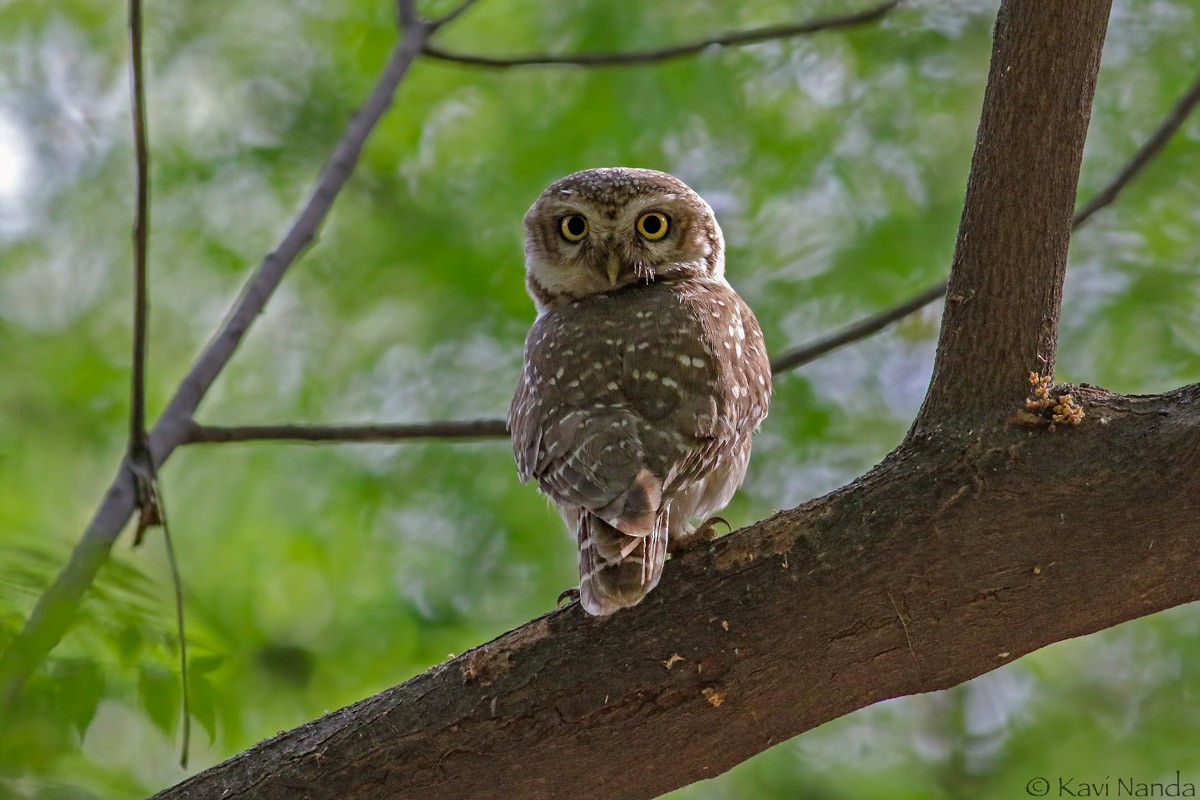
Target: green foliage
x=317, y=576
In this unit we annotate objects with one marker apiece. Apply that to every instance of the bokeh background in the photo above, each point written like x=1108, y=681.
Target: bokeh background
x=316, y=576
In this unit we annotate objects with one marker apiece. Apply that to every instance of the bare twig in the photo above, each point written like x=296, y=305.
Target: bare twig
x=139, y=447
x=149, y=496
x=137, y=412
x=452, y=15
x=1149, y=149
x=56, y=607
x=452, y=431
x=807, y=353
x=732, y=39
x=406, y=12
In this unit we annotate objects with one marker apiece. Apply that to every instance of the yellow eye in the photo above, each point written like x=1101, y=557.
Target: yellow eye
x=653, y=226
x=574, y=227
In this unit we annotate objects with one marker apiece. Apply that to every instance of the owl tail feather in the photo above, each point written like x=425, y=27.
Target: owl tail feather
x=617, y=570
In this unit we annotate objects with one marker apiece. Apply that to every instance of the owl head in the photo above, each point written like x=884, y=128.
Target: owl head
x=601, y=230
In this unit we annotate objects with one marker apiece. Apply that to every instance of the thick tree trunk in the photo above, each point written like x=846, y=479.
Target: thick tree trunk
x=985, y=536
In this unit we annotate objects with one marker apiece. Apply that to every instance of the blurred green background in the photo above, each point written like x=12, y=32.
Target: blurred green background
x=316, y=576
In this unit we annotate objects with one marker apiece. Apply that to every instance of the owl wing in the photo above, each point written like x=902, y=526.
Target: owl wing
x=705, y=385
x=574, y=432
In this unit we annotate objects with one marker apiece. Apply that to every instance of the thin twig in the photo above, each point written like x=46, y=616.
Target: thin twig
x=56, y=608
x=1149, y=149
x=137, y=411
x=149, y=496
x=406, y=12
x=804, y=354
x=452, y=431
x=732, y=39
x=452, y=15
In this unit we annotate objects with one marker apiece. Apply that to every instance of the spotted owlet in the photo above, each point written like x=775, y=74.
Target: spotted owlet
x=645, y=374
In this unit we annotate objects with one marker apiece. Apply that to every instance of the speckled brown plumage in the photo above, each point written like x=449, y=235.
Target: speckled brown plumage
x=645, y=374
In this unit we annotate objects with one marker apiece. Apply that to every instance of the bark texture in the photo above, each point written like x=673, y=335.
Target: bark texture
x=985, y=536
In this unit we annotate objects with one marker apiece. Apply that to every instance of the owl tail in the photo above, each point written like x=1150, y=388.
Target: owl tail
x=617, y=570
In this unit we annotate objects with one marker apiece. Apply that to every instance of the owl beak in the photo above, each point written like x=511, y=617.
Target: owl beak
x=614, y=270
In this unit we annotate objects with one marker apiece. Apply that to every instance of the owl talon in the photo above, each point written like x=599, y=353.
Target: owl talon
x=704, y=533
x=569, y=595
x=708, y=528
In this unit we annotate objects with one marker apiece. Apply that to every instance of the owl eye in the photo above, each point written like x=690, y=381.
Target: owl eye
x=574, y=227
x=653, y=226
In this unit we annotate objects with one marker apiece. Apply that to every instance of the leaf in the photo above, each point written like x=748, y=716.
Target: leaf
x=204, y=705
x=201, y=665
x=158, y=690
x=80, y=687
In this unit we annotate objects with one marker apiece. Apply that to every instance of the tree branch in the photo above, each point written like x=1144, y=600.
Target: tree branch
x=55, y=609
x=463, y=7
x=1149, y=149
x=868, y=326
x=465, y=430
x=732, y=39
x=137, y=405
x=962, y=559
x=789, y=360
x=1005, y=291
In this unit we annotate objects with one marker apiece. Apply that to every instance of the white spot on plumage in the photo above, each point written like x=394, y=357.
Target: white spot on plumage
x=697, y=362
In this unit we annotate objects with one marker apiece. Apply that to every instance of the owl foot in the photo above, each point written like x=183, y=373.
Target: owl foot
x=568, y=595
x=704, y=533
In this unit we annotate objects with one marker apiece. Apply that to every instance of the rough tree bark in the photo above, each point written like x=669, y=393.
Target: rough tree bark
x=975, y=542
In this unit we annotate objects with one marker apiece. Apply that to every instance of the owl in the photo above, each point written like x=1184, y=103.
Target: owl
x=645, y=374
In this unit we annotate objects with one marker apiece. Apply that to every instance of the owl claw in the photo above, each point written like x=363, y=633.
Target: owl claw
x=569, y=595
x=704, y=533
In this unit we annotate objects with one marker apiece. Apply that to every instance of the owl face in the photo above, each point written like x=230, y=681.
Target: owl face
x=600, y=230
